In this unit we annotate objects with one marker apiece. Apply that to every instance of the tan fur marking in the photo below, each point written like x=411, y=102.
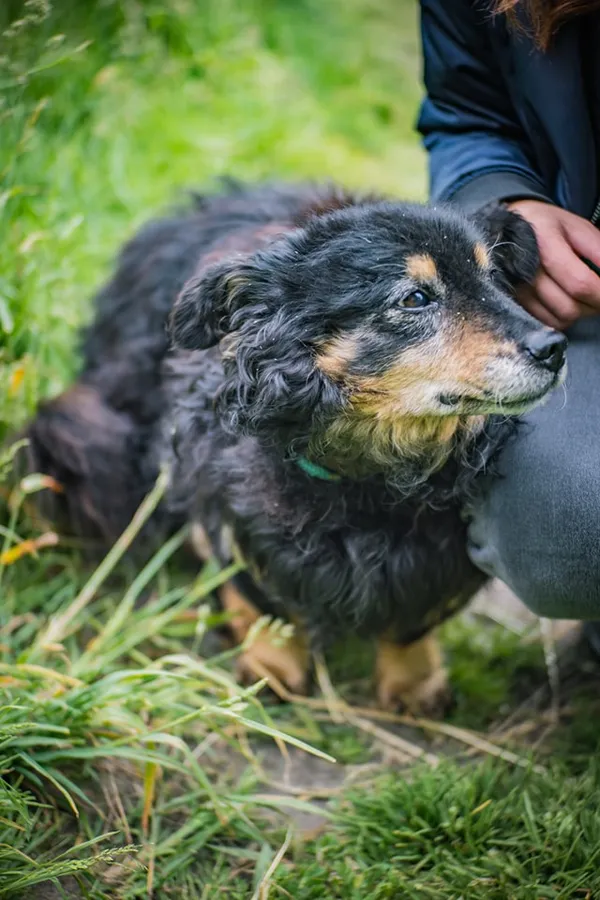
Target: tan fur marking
x=380, y=440
x=473, y=348
x=412, y=677
x=482, y=257
x=385, y=394
x=336, y=355
x=389, y=414
x=391, y=402
x=462, y=356
x=243, y=613
x=288, y=662
x=421, y=267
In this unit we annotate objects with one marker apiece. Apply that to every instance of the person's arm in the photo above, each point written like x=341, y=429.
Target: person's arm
x=477, y=149
x=479, y=153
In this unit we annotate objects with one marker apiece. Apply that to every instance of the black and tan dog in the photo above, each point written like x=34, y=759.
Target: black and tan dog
x=342, y=371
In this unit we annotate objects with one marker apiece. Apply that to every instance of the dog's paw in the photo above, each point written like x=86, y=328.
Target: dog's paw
x=270, y=653
x=288, y=663
x=412, y=678
x=431, y=697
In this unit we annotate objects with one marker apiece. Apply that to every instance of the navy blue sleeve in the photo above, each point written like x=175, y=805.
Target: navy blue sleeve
x=478, y=151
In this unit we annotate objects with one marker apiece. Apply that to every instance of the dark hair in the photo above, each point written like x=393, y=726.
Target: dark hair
x=544, y=16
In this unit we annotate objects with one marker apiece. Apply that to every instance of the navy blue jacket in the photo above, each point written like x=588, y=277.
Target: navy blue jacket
x=501, y=119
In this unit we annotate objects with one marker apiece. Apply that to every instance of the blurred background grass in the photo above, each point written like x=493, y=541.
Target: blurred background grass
x=124, y=750
x=111, y=108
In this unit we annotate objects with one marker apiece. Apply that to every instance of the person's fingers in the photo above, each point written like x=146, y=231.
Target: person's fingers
x=558, y=303
x=547, y=301
x=528, y=299
x=584, y=238
x=568, y=272
x=565, y=287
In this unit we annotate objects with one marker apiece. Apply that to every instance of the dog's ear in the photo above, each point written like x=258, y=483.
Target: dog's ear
x=513, y=243
x=272, y=389
x=202, y=312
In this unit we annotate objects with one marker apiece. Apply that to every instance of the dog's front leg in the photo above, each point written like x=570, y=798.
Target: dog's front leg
x=268, y=655
x=412, y=677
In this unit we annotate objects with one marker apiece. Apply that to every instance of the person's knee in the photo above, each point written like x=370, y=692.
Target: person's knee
x=538, y=530
x=545, y=584
x=556, y=593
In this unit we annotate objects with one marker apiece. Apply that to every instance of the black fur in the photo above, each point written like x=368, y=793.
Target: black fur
x=262, y=280
x=514, y=243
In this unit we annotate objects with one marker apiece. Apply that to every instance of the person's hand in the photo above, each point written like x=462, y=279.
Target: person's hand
x=565, y=288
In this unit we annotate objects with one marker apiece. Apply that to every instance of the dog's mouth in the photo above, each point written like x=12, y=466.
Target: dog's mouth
x=488, y=404
x=474, y=400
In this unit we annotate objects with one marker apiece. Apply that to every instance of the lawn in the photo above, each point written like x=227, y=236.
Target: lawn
x=131, y=764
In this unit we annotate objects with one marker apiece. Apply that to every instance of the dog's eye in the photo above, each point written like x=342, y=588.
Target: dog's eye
x=416, y=300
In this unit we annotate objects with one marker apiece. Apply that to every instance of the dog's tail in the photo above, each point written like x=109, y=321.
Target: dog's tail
x=95, y=456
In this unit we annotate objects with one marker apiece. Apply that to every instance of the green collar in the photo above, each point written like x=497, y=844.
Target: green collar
x=315, y=470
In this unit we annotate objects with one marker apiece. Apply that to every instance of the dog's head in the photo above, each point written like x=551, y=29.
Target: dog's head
x=374, y=331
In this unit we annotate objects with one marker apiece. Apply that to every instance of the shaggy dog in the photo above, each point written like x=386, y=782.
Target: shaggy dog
x=326, y=377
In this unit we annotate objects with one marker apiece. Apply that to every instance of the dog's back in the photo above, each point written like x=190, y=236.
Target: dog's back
x=127, y=336
x=94, y=439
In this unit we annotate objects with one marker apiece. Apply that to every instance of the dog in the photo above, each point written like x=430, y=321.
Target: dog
x=327, y=377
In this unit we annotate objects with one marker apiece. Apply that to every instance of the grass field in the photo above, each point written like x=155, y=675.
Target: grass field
x=131, y=764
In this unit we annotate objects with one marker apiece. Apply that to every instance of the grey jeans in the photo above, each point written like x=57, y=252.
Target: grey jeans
x=537, y=527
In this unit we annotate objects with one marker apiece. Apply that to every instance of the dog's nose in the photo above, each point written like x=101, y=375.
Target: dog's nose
x=547, y=347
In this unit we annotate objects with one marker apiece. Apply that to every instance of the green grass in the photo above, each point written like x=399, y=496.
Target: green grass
x=129, y=757
x=491, y=668
x=443, y=834
x=98, y=688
